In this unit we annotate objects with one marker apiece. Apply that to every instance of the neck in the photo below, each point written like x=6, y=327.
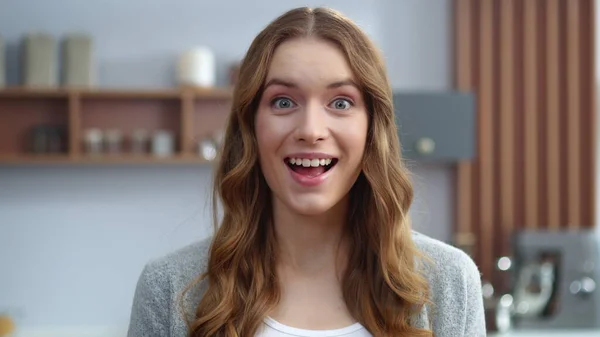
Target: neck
x=310, y=243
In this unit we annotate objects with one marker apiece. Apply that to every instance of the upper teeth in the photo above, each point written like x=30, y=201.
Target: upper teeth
x=310, y=162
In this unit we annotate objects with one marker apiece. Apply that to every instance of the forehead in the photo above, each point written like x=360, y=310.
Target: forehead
x=309, y=60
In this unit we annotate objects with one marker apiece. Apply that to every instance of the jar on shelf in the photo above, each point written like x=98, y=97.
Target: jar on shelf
x=197, y=67
x=93, y=141
x=139, y=141
x=39, y=139
x=163, y=144
x=113, y=141
x=207, y=149
x=56, y=139
x=218, y=138
x=47, y=139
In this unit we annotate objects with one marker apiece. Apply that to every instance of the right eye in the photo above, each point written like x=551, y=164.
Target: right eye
x=282, y=103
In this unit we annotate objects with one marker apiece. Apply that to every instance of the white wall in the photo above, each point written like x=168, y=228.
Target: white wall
x=417, y=44
x=74, y=239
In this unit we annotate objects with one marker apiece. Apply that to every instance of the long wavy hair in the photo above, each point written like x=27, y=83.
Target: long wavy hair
x=382, y=287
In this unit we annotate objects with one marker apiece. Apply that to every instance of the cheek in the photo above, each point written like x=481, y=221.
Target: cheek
x=357, y=139
x=267, y=135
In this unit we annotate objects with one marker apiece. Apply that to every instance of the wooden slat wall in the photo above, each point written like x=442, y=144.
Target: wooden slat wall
x=531, y=63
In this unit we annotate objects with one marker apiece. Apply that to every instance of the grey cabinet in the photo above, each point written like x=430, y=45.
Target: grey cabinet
x=436, y=126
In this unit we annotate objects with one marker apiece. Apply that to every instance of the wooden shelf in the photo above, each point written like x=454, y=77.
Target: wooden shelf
x=129, y=94
x=190, y=114
x=18, y=92
x=112, y=93
x=65, y=159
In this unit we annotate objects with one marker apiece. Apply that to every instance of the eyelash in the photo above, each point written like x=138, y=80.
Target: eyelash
x=350, y=102
x=277, y=99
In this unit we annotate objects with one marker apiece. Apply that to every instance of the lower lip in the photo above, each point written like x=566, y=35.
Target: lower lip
x=309, y=181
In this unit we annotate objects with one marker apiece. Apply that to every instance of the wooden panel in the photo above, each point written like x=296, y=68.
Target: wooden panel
x=507, y=120
x=552, y=115
x=531, y=98
x=486, y=135
x=463, y=50
x=519, y=117
x=573, y=116
x=531, y=63
x=588, y=110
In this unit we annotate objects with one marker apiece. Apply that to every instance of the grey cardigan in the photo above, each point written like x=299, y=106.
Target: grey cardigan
x=454, y=281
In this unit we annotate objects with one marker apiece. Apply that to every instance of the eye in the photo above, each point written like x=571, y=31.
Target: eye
x=282, y=103
x=341, y=104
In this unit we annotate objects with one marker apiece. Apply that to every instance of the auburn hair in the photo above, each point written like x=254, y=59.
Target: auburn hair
x=382, y=287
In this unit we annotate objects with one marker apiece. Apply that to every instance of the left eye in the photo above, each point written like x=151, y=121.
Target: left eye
x=341, y=104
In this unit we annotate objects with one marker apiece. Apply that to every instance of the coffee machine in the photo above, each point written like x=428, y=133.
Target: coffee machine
x=555, y=280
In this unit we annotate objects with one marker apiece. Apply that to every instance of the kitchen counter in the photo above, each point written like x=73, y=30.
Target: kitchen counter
x=548, y=333
x=103, y=331
x=72, y=331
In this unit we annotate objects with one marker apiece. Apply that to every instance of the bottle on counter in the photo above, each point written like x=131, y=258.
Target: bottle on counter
x=7, y=326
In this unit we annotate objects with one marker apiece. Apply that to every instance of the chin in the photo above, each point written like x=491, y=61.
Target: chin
x=310, y=205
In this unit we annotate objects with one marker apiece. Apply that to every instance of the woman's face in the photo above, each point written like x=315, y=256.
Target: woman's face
x=311, y=126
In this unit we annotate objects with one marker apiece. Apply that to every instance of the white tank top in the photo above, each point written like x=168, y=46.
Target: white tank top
x=272, y=328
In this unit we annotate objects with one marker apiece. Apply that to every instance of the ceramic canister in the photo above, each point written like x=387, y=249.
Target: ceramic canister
x=197, y=67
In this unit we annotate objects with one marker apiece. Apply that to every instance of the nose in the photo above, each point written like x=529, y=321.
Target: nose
x=312, y=124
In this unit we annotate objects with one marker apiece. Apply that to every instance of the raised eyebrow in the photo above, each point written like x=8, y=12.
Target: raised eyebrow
x=289, y=84
x=277, y=81
x=343, y=83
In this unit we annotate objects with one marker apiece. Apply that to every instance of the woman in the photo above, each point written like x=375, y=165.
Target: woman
x=315, y=238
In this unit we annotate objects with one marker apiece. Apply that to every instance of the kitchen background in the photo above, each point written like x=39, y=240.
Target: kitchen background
x=73, y=239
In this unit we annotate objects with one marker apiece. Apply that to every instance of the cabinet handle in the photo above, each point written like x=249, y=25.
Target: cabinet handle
x=585, y=286
x=425, y=146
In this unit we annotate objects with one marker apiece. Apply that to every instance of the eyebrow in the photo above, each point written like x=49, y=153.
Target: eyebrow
x=289, y=84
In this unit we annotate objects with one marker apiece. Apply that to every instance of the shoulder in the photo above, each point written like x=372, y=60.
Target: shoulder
x=184, y=263
x=445, y=257
x=174, y=271
x=155, y=310
x=455, y=288
x=170, y=271
x=448, y=268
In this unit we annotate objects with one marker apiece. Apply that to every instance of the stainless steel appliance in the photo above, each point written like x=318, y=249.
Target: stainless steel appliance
x=556, y=278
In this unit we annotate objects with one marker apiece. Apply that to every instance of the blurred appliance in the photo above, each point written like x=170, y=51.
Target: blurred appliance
x=555, y=280
x=438, y=127
x=2, y=63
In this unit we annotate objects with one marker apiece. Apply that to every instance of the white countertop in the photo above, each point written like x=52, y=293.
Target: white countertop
x=72, y=331
x=104, y=331
x=548, y=333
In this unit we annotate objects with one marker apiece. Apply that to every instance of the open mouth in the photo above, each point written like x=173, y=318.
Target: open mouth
x=310, y=167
